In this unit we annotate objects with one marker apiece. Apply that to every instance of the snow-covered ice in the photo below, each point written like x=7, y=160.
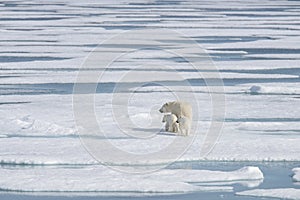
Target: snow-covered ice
x=296, y=175
x=29, y=132
x=253, y=44
x=105, y=179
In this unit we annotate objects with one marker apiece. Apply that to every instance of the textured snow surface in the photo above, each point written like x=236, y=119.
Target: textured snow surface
x=254, y=45
x=104, y=179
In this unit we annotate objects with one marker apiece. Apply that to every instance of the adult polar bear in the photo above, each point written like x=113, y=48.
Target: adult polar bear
x=178, y=108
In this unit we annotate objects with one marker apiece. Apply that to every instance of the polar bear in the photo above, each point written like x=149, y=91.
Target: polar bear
x=178, y=108
x=184, y=125
x=171, y=124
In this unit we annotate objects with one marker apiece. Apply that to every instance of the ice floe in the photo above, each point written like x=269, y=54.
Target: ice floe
x=103, y=179
x=282, y=193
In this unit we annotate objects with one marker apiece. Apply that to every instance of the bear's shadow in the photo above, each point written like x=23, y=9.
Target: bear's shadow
x=155, y=130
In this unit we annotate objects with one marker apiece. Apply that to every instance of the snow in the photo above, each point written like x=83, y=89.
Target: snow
x=296, y=175
x=247, y=136
x=106, y=180
x=255, y=89
x=44, y=151
x=26, y=125
x=282, y=193
x=254, y=45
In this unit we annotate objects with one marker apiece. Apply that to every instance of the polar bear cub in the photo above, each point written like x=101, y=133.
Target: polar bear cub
x=178, y=108
x=184, y=125
x=171, y=124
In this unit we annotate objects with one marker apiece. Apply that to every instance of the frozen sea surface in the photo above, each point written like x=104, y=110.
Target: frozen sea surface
x=254, y=45
x=276, y=175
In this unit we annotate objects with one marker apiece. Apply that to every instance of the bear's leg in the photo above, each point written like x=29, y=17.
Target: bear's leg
x=187, y=131
x=167, y=127
x=181, y=131
x=175, y=127
x=171, y=129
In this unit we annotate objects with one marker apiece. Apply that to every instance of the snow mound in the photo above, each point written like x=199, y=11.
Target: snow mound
x=253, y=172
x=296, y=175
x=104, y=179
x=245, y=173
x=34, y=127
x=282, y=193
x=256, y=89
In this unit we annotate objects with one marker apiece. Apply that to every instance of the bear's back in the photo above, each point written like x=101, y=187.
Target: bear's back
x=181, y=108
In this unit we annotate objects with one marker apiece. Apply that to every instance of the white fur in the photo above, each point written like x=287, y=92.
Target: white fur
x=171, y=124
x=178, y=108
x=184, y=125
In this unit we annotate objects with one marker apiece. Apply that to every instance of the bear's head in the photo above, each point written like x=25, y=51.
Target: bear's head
x=164, y=108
